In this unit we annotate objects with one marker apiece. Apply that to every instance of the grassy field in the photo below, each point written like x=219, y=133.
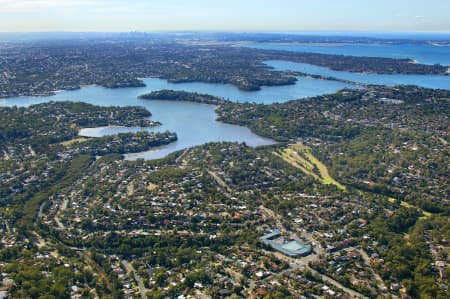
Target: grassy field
x=72, y=141
x=408, y=205
x=152, y=187
x=300, y=156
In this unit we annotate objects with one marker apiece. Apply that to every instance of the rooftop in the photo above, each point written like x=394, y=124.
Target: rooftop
x=291, y=248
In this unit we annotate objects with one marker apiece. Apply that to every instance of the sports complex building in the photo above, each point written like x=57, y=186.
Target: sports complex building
x=293, y=248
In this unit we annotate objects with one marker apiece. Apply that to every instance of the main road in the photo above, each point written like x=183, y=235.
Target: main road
x=130, y=269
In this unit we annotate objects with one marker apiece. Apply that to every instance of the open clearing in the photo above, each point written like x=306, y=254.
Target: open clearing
x=408, y=205
x=152, y=187
x=300, y=156
x=72, y=141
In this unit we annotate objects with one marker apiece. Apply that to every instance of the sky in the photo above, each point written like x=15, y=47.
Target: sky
x=224, y=15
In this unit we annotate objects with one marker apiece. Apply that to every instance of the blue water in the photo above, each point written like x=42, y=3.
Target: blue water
x=195, y=124
x=403, y=35
x=426, y=54
x=436, y=82
x=305, y=87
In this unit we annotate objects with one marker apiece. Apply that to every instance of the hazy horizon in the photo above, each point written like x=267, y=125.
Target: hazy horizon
x=234, y=15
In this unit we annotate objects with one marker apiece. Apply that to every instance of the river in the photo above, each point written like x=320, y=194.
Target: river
x=196, y=124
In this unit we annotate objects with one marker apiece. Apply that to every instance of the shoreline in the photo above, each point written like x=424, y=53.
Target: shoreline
x=84, y=132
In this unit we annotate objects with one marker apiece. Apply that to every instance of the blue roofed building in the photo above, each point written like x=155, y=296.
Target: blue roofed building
x=289, y=247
